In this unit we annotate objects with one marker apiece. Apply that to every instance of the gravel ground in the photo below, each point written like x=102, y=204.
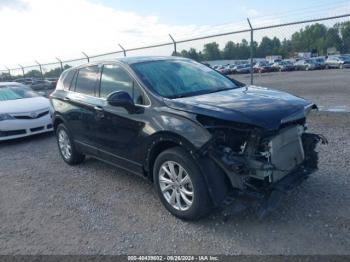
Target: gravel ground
x=330, y=89
x=48, y=207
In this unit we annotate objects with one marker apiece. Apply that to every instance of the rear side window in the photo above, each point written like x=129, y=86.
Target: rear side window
x=87, y=80
x=67, y=79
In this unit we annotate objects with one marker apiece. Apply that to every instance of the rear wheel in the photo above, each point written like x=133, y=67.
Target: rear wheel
x=180, y=184
x=66, y=146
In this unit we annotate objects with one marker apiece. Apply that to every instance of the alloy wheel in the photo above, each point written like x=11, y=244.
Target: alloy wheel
x=64, y=144
x=176, y=185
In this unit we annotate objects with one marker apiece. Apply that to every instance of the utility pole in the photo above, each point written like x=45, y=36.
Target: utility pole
x=251, y=52
x=124, y=51
x=174, y=42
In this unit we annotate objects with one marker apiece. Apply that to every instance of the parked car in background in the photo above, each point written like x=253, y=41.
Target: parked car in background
x=321, y=61
x=35, y=83
x=262, y=67
x=242, y=69
x=23, y=112
x=307, y=64
x=53, y=81
x=200, y=137
x=40, y=84
x=341, y=61
x=284, y=65
x=225, y=70
x=25, y=81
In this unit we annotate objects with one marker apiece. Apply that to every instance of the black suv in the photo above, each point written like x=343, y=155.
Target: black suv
x=201, y=137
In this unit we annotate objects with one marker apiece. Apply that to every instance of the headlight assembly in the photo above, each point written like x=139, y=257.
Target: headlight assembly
x=6, y=117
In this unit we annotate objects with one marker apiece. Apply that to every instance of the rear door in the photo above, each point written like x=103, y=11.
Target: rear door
x=82, y=102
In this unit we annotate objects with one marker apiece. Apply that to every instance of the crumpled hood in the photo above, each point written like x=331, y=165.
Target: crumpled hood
x=252, y=105
x=24, y=105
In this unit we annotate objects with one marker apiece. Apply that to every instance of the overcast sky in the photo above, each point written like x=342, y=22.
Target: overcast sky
x=44, y=29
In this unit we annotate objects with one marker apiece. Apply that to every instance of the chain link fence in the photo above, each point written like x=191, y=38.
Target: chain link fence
x=252, y=43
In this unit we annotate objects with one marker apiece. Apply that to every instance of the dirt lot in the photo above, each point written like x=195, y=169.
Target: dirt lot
x=49, y=207
x=330, y=89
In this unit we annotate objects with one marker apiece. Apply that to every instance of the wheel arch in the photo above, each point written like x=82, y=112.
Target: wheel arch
x=57, y=120
x=160, y=142
x=216, y=180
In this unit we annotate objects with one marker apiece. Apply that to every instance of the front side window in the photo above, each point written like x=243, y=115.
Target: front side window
x=180, y=78
x=115, y=78
x=87, y=80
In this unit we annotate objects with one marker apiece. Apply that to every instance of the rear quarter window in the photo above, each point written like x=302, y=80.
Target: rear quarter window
x=67, y=79
x=87, y=80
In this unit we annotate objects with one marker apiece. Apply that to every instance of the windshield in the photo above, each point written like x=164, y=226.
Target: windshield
x=181, y=78
x=12, y=92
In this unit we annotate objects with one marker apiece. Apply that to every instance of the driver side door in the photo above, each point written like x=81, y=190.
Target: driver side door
x=119, y=134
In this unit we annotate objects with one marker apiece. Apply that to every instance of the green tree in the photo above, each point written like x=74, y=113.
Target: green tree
x=192, y=53
x=345, y=35
x=211, y=51
x=230, y=51
x=333, y=40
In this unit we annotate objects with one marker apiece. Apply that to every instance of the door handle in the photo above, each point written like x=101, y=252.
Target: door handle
x=98, y=108
x=66, y=98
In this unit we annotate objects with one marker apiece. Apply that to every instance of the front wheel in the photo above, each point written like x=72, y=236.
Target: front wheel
x=180, y=184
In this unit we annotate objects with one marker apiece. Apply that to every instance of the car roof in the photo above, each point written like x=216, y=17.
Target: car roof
x=131, y=60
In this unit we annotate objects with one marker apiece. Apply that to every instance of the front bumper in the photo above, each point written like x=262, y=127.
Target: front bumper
x=12, y=129
x=268, y=199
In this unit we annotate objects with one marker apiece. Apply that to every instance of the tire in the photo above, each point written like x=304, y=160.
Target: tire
x=201, y=204
x=73, y=157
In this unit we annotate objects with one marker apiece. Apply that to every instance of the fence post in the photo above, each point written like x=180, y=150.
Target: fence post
x=174, y=42
x=22, y=69
x=59, y=60
x=251, y=52
x=87, y=57
x=124, y=51
x=9, y=70
x=41, y=70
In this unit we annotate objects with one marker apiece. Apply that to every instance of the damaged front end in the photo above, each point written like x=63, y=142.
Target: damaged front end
x=259, y=164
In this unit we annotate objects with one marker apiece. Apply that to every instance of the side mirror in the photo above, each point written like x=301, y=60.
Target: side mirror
x=122, y=99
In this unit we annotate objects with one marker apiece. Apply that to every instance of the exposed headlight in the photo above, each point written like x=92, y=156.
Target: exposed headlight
x=308, y=108
x=299, y=114
x=6, y=117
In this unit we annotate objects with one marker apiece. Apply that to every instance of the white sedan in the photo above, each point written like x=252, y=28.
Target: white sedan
x=23, y=112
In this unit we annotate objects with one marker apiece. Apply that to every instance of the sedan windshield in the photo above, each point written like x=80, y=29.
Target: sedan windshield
x=181, y=78
x=12, y=92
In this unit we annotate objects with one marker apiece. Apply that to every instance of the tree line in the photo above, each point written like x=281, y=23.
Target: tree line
x=316, y=38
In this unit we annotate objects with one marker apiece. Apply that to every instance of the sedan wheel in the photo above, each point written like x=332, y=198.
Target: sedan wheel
x=64, y=144
x=176, y=185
